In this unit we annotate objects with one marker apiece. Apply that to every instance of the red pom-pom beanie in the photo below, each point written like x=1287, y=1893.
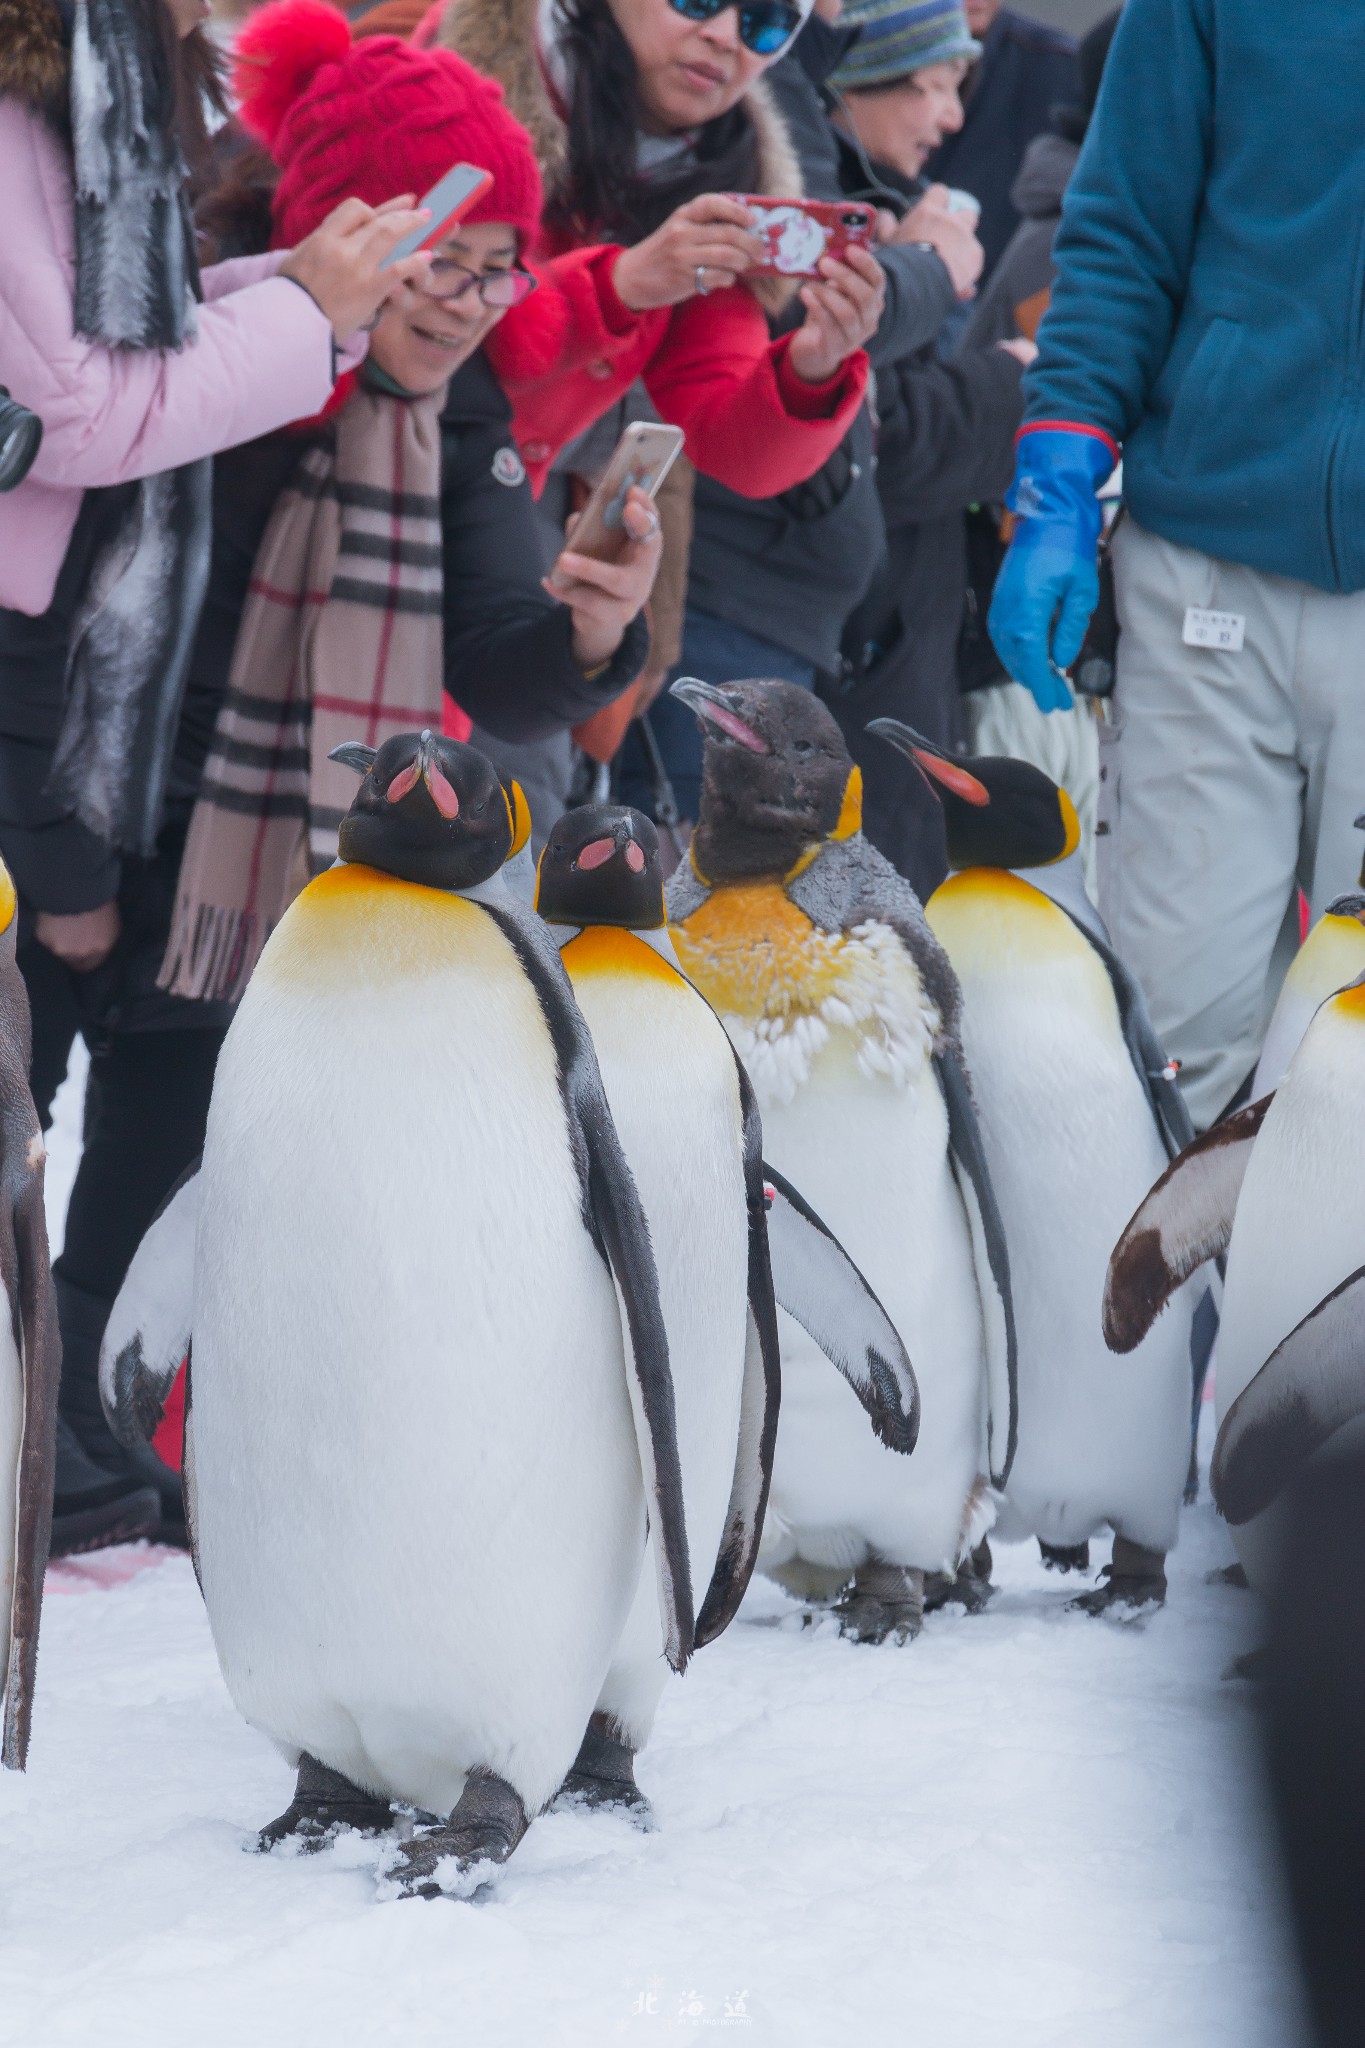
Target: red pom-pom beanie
x=372, y=119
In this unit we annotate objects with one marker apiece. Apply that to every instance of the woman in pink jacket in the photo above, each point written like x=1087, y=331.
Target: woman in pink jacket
x=139, y=370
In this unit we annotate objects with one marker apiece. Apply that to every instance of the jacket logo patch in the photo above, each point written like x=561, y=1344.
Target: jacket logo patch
x=509, y=468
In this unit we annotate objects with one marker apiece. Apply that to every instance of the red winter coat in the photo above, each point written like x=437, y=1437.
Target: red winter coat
x=570, y=351
x=710, y=367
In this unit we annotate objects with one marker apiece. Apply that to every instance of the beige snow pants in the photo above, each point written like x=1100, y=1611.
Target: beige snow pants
x=1228, y=781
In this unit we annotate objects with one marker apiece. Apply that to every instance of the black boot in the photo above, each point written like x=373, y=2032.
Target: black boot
x=91, y=1507
x=1065, y=1557
x=603, y=1773
x=82, y=1317
x=485, y=1827
x=323, y=1802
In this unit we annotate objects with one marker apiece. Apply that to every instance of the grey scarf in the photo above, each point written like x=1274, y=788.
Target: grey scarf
x=136, y=287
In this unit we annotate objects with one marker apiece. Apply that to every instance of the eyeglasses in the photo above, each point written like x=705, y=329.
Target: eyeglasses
x=449, y=281
x=765, y=26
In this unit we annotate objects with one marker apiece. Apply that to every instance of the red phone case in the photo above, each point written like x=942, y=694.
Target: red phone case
x=798, y=233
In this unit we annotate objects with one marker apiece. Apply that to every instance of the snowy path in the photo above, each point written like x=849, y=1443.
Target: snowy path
x=1026, y=1828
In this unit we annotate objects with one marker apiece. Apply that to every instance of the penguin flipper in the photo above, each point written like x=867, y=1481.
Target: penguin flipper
x=148, y=1332
x=612, y=1212
x=1311, y=1386
x=760, y=1396
x=991, y=1258
x=33, y=1311
x=1185, y=1219
x=816, y=1281
x=1153, y=1068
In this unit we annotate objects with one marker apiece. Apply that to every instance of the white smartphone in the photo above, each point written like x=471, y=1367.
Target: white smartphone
x=645, y=453
x=450, y=198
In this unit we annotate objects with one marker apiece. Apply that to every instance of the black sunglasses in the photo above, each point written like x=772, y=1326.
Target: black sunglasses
x=765, y=26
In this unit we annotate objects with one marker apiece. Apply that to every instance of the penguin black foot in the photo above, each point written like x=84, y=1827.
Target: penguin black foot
x=603, y=1774
x=485, y=1827
x=1229, y=1575
x=1065, y=1557
x=970, y=1586
x=323, y=1802
x=885, y=1602
x=1133, y=1578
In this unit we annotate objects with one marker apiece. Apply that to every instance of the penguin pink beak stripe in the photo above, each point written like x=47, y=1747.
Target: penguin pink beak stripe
x=635, y=859
x=403, y=781
x=952, y=777
x=730, y=722
x=442, y=794
x=596, y=853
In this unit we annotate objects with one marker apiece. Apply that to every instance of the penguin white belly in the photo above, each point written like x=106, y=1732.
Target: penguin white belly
x=1072, y=1148
x=11, y=1436
x=871, y=1157
x=416, y=1482
x=1300, y=1224
x=674, y=1094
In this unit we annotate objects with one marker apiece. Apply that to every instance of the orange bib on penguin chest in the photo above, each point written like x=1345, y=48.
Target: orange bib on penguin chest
x=611, y=949
x=752, y=953
x=356, y=925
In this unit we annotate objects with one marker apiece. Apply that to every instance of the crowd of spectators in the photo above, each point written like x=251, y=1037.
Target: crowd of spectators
x=281, y=485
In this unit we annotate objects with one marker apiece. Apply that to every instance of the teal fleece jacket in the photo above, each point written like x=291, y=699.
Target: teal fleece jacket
x=1209, y=307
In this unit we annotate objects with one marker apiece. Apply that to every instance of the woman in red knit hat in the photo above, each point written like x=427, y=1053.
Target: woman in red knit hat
x=366, y=567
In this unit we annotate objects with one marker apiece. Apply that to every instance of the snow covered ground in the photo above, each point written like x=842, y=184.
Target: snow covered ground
x=1027, y=1828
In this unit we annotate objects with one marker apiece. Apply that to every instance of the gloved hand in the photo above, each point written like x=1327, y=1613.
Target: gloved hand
x=1049, y=581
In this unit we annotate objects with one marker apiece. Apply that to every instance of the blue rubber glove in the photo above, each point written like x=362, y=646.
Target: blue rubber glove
x=1049, y=581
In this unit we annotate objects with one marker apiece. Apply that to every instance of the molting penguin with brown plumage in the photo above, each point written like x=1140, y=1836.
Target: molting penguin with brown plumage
x=846, y=1012
x=727, y=1233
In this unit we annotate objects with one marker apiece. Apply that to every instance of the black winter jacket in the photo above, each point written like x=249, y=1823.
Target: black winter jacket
x=1025, y=70
x=791, y=568
x=508, y=662
x=946, y=442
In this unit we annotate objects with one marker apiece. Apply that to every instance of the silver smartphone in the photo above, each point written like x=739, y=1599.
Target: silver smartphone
x=645, y=453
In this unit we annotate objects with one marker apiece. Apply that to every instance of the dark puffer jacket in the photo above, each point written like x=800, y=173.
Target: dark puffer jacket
x=946, y=442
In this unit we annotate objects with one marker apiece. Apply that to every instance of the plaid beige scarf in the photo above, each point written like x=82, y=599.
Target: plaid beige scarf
x=341, y=639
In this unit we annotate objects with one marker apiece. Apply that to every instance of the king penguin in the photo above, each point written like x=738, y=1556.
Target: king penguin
x=1278, y=1188
x=845, y=1011
x=1332, y=955
x=30, y=1356
x=692, y=1136
x=1078, y=1113
x=429, y=1405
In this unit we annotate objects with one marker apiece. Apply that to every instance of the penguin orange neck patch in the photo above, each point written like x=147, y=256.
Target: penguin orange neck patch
x=784, y=988
x=355, y=922
x=612, y=949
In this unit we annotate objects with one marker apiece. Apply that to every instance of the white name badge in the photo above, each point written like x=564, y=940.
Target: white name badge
x=1225, y=630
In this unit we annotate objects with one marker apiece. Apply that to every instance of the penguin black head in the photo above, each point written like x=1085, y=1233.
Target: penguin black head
x=997, y=812
x=601, y=866
x=1352, y=904
x=776, y=779
x=430, y=810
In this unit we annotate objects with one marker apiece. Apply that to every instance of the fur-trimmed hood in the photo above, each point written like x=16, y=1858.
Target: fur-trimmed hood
x=500, y=38
x=35, y=61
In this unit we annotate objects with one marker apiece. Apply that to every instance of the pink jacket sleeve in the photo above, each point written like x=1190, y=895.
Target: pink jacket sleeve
x=263, y=355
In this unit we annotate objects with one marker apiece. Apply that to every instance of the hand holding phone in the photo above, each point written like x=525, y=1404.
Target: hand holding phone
x=642, y=458
x=797, y=234
x=448, y=201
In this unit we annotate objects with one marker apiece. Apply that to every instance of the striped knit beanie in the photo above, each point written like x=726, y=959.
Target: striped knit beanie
x=898, y=37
